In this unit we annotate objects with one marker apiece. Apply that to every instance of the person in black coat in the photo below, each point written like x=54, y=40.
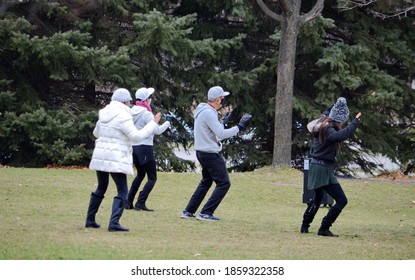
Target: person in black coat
x=326, y=146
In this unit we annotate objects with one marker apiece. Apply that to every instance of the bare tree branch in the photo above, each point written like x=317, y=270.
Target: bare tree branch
x=399, y=13
x=349, y=5
x=286, y=6
x=79, y=7
x=268, y=11
x=314, y=12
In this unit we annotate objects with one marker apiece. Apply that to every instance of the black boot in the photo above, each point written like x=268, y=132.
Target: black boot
x=327, y=221
x=308, y=217
x=94, y=204
x=117, y=209
x=142, y=197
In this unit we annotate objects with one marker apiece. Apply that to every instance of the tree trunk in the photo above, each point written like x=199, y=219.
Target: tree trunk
x=284, y=95
x=291, y=21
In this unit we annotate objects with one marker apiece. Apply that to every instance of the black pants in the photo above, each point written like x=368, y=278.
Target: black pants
x=148, y=168
x=335, y=191
x=213, y=169
x=120, y=180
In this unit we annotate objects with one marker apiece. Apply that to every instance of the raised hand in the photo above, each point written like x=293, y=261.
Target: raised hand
x=157, y=117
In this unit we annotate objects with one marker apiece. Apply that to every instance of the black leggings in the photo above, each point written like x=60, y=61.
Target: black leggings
x=150, y=169
x=120, y=180
x=335, y=191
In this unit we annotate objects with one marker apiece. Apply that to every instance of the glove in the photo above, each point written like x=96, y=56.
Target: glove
x=243, y=122
x=226, y=119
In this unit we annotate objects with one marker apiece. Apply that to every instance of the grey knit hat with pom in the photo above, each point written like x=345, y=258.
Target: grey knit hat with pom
x=340, y=111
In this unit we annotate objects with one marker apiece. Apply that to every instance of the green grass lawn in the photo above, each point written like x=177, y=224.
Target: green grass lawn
x=42, y=214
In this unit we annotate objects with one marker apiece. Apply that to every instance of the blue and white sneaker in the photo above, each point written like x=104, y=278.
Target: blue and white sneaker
x=187, y=215
x=206, y=217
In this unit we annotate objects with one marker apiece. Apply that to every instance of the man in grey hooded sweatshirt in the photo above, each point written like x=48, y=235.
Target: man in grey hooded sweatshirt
x=208, y=132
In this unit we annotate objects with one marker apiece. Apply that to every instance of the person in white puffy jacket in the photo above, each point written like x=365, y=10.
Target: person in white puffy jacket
x=143, y=150
x=112, y=155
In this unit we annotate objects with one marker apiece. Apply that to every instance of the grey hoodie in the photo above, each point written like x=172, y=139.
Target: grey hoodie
x=142, y=117
x=208, y=130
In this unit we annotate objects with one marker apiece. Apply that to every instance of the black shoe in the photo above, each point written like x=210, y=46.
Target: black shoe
x=117, y=227
x=129, y=206
x=92, y=224
x=326, y=232
x=304, y=229
x=142, y=207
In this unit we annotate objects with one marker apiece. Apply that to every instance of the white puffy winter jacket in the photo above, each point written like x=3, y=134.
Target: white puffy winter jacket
x=115, y=131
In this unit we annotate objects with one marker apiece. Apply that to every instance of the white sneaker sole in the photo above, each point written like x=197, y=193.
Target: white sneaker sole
x=207, y=220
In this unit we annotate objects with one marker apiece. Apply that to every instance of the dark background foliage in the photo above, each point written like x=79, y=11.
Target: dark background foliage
x=61, y=60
